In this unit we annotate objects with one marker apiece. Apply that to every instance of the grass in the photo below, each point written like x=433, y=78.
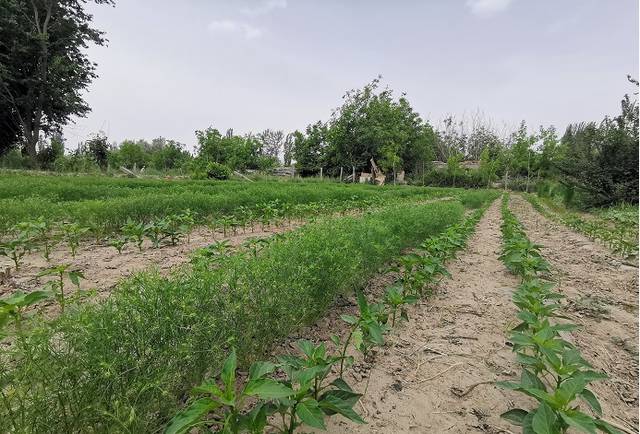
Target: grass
x=126, y=364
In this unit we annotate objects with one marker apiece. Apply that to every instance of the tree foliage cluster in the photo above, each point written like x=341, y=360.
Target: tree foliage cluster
x=371, y=123
x=44, y=68
x=247, y=152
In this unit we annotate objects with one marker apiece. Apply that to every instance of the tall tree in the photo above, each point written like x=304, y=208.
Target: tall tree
x=43, y=66
x=309, y=150
x=602, y=159
x=271, y=142
x=287, y=149
x=372, y=123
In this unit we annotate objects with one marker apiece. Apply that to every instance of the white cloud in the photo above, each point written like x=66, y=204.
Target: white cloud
x=487, y=8
x=232, y=26
x=263, y=7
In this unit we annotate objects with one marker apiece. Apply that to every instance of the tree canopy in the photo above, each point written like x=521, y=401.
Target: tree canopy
x=43, y=67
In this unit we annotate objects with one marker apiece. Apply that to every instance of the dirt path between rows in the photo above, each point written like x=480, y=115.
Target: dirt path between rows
x=452, y=341
x=602, y=297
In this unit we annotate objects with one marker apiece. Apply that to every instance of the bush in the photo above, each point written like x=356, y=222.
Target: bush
x=218, y=171
x=464, y=178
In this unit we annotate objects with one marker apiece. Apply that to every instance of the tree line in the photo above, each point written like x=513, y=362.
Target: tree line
x=44, y=69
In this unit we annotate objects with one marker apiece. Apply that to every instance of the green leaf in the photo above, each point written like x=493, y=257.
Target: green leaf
x=35, y=296
x=350, y=319
x=266, y=388
x=256, y=420
x=565, y=327
x=531, y=381
x=228, y=374
x=357, y=338
x=376, y=333
x=544, y=420
x=210, y=388
x=192, y=415
x=589, y=376
x=520, y=339
x=580, y=421
x=525, y=359
x=515, y=416
x=335, y=403
x=75, y=277
x=362, y=302
x=341, y=384
x=511, y=385
x=527, y=423
x=306, y=347
x=310, y=413
x=604, y=426
x=260, y=369
x=569, y=388
x=591, y=399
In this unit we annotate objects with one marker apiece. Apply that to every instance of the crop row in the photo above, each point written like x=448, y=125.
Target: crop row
x=306, y=389
x=109, y=203
x=44, y=235
x=553, y=371
x=621, y=236
x=125, y=363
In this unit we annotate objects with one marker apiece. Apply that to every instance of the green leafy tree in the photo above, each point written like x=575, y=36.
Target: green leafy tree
x=132, y=154
x=602, y=159
x=235, y=152
x=453, y=166
x=549, y=151
x=97, y=149
x=309, y=149
x=44, y=67
x=371, y=123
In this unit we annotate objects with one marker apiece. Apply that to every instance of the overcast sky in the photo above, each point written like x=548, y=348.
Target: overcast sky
x=173, y=67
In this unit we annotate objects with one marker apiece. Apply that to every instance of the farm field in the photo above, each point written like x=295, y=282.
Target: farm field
x=152, y=322
x=105, y=252
x=356, y=236
x=323, y=222
x=104, y=203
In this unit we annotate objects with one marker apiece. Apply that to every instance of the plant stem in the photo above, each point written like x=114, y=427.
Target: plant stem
x=344, y=349
x=61, y=293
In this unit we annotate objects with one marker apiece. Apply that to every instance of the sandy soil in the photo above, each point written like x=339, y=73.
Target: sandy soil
x=435, y=373
x=103, y=267
x=602, y=297
x=421, y=382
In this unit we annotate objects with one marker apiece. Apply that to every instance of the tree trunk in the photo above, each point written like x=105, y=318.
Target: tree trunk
x=32, y=125
x=31, y=134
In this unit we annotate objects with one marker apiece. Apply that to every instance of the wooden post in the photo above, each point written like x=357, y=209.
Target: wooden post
x=340, y=173
x=321, y=173
x=353, y=168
